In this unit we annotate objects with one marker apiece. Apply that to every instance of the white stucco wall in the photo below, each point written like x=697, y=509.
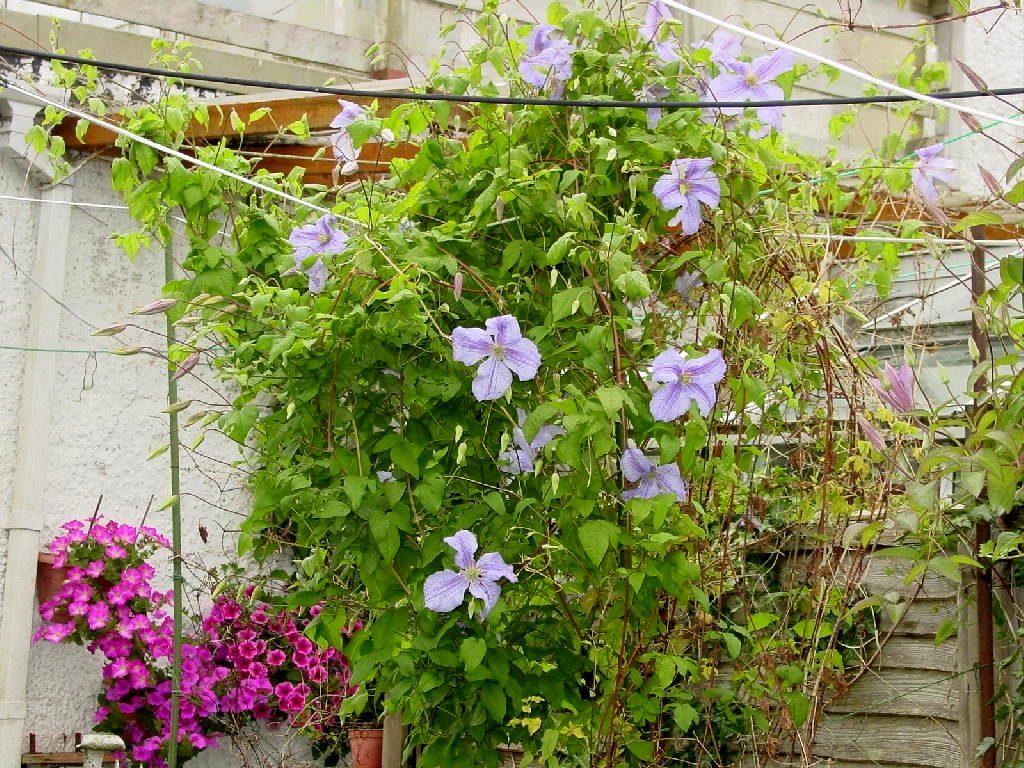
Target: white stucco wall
x=106, y=418
x=993, y=46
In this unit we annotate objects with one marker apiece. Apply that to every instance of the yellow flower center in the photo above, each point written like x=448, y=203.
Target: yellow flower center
x=473, y=573
x=684, y=188
x=323, y=237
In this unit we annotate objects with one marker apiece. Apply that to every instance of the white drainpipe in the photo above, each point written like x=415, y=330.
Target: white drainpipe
x=23, y=518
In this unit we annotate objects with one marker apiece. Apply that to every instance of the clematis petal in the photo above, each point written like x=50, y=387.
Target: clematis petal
x=689, y=216
x=519, y=439
x=709, y=367
x=444, y=591
x=471, y=345
x=523, y=358
x=317, y=275
x=666, y=189
x=671, y=482
x=647, y=489
x=545, y=435
x=667, y=366
x=465, y=545
x=504, y=329
x=729, y=86
x=493, y=378
x=769, y=67
x=516, y=462
x=670, y=402
x=634, y=464
x=703, y=394
x=487, y=591
x=493, y=567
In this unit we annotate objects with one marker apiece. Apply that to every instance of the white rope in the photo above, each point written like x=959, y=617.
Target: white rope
x=169, y=151
x=840, y=66
x=73, y=203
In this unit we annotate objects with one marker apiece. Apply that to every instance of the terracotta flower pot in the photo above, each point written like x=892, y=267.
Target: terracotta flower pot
x=49, y=580
x=366, y=745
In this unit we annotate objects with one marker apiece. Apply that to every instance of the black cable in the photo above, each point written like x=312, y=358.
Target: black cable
x=506, y=100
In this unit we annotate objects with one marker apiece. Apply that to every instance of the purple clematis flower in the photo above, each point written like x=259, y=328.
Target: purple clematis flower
x=654, y=92
x=685, y=380
x=548, y=59
x=896, y=386
x=522, y=458
x=445, y=590
x=350, y=112
x=686, y=283
x=688, y=184
x=658, y=15
x=321, y=238
x=342, y=146
x=653, y=481
x=724, y=47
x=873, y=435
x=753, y=81
x=929, y=169
x=503, y=350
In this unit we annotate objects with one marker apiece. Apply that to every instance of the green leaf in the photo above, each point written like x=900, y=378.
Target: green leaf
x=799, y=707
x=472, y=652
x=595, y=536
x=494, y=700
x=406, y=456
x=612, y=399
x=570, y=301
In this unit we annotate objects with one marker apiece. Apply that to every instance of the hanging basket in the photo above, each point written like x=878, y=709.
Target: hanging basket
x=366, y=746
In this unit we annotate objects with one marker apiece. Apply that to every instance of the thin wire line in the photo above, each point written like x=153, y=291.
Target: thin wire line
x=1009, y=242
x=914, y=95
x=906, y=95
x=167, y=150
x=16, y=348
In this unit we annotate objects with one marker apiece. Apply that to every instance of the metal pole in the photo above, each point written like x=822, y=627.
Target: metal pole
x=172, y=398
x=982, y=534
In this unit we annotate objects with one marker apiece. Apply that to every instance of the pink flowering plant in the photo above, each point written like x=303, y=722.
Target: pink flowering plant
x=536, y=404
x=245, y=660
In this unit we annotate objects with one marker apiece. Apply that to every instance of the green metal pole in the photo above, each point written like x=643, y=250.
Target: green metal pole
x=172, y=398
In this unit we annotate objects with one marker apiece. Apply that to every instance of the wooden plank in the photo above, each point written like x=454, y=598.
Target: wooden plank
x=917, y=653
x=915, y=692
x=904, y=741
x=58, y=758
x=922, y=618
x=756, y=761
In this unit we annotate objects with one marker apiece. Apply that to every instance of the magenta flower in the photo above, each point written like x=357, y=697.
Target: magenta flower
x=685, y=380
x=503, y=351
x=896, y=386
x=445, y=590
x=658, y=16
x=873, y=435
x=548, y=59
x=653, y=480
x=688, y=184
x=319, y=238
x=724, y=47
x=522, y=457
x=929, y=169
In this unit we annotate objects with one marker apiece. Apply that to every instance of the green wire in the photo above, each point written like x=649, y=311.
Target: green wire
x=57, y=349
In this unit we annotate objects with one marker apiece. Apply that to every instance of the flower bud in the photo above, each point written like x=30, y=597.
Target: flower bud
x=457, y=286
x=187, y=365
x=156, y=307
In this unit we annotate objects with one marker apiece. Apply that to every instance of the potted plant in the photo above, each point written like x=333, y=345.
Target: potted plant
x=365, y=729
